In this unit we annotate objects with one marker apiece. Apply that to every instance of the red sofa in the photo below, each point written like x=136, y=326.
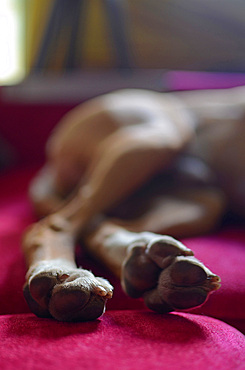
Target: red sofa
x=128, y=336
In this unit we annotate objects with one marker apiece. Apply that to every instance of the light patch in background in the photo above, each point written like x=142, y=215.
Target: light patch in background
x=11, y=41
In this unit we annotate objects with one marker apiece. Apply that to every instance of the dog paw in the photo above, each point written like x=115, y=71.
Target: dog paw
x=166, y=274
x=66, y=294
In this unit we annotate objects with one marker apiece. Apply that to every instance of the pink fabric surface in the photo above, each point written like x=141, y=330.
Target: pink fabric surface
x=27, y=126
x=224, y=253
x=15, y=216
x=121, y=340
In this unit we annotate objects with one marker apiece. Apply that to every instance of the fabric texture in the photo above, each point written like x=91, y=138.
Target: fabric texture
x=121, y=340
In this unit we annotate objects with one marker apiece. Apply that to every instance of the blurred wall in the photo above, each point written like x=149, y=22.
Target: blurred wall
x=175, y=34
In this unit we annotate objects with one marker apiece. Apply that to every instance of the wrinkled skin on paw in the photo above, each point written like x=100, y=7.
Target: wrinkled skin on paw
x=66, y=294
x=165, y=273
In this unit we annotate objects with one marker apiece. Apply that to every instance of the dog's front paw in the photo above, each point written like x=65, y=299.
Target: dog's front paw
x=165, y=273
x=66, y=294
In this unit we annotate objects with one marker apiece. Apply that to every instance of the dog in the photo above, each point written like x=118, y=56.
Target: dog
x=124, y=171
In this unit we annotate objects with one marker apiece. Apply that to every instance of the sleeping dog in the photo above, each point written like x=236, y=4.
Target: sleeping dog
x=125, y=171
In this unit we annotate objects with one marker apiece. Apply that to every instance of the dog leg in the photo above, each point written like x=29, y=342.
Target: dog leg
x=180, y=213
x=55, y=287
x=157, y=267
x=125, y=161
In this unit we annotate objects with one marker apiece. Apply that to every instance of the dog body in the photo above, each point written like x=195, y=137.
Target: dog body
x=210, y=127
x=121, y=170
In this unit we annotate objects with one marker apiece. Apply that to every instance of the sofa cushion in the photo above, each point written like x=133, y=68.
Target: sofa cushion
x=121, y=340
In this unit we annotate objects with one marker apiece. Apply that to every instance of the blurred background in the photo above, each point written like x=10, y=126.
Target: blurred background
x=62, y=36
x=55, y=54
